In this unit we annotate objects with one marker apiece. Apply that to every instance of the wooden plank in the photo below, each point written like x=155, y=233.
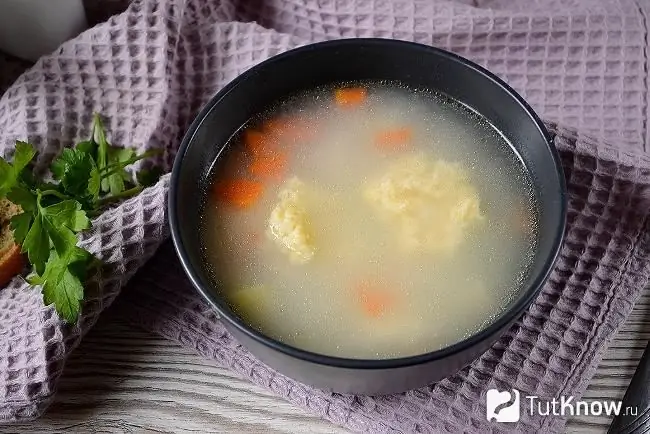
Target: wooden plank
x=128, y=380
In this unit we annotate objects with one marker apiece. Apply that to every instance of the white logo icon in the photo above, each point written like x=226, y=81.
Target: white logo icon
x=502, y=406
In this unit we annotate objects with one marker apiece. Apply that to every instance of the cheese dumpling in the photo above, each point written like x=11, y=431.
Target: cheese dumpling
x=289, y=225
x=432, y=202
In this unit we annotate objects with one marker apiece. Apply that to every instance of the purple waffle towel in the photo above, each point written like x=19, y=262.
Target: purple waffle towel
x=583, y=66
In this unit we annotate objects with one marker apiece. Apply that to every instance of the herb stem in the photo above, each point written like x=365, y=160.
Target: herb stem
x=116, y=197
x=99, y=137
x=53, y=193
x=113, y=171
x=112, y=168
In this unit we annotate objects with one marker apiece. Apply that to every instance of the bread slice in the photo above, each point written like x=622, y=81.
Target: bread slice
x=12, y=261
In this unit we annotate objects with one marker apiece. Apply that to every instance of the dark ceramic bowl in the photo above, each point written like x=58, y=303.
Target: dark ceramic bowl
x=364, y=59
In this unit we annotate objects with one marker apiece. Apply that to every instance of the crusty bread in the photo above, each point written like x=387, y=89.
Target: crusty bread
x=12, y=262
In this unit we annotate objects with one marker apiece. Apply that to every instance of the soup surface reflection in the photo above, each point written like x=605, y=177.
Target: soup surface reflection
x=369, y=221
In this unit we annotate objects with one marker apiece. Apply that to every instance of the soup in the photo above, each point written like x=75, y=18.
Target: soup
x=369, y=220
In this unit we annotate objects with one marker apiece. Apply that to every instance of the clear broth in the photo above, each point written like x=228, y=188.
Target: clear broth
x=430, y=297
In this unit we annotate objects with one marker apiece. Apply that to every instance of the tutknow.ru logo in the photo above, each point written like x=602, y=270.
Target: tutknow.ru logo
x=507, y=406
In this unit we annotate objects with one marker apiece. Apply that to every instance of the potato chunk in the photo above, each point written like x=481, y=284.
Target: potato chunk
x=249, y=301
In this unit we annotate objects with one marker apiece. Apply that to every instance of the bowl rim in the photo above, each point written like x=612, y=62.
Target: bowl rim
x=505, y=319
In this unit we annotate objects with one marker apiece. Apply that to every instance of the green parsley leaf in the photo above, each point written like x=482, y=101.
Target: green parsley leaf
x=54, y=223
x=68, y=214
x=37, y=244
x=27, y=179
x=20, y=195
x=20, y=224
x=73, y=168
x=118, y=159
x=10, y=173
x=67, y=158
x=61, y=285
x=88, y=147
x=63, y=239
x=88, y=176
x=94, y=183
x=116, y=183
x=7, y=179
x=23, y=156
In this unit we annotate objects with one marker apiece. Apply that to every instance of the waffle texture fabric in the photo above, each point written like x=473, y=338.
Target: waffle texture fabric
x=582, y=64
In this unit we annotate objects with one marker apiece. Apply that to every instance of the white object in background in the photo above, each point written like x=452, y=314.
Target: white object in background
x=30, y=29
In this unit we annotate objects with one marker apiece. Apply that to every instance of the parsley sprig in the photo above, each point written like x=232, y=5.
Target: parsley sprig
x=87, y=177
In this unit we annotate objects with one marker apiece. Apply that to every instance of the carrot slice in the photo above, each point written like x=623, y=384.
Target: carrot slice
x=256, y=142
x=374, y=299
x=241, y=193
x=398, y=139
x=271, y=165
x=350, y=96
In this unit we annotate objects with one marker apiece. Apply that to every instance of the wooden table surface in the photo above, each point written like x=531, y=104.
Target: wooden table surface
x=123, y=379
